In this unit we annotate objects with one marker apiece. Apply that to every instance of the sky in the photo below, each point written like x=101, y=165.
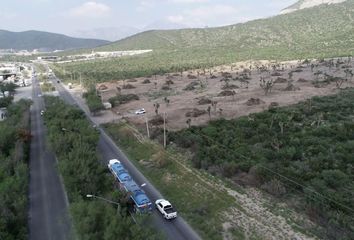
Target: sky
x=70, y=16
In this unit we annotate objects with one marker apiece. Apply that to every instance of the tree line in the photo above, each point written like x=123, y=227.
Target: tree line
x=14, y=173
x=74, y=142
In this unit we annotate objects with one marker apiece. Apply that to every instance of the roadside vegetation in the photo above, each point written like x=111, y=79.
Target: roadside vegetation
x=93, y=101
x=302, y=155
x=14, y=155
x=195, y=195
x=74, y=142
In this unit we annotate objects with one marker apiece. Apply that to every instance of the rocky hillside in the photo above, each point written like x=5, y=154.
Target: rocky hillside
x=302, y=4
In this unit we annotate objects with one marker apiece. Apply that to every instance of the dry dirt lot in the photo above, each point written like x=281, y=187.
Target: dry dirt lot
x=260, y=215
x=307, y=80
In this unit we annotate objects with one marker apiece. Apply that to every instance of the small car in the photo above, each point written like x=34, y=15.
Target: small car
x=42, y=112
x=140, y=111
x=166, y=209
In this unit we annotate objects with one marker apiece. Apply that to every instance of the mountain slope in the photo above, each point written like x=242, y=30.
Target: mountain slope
x=30, y=40
x=302, y=4
x=317, y=32
x=320, y=26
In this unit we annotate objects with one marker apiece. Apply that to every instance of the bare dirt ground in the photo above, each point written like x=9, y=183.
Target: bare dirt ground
x=307, y=80
x=259, y=220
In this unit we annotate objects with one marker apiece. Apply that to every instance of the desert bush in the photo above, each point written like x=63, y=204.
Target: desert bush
x=166, y=87
x=195, y=113
x=128, y=86
x=274, y=187
x=254, y=101
x=190, y=76
x=160, y=158
x=156, y=120
x=280, y=80
x=226, y=93
x=122, y=99
x=191, y=86
x=169, y=82
x=204, y=101
x=276, y=74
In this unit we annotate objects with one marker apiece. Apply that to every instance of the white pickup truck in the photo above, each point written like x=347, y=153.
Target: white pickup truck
x=165, y=209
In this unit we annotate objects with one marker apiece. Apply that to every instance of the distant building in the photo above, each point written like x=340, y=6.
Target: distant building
x=48, y=58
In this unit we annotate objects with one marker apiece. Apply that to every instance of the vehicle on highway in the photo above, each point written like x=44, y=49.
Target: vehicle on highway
x=42, y=112
x=140, y=111
x=166, y=209
x=142, y=203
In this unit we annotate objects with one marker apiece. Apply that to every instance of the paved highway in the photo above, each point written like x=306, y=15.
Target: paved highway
x=176, y=229
x=48, y=207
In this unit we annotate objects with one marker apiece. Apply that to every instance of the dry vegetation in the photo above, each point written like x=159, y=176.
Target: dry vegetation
x=228, y=91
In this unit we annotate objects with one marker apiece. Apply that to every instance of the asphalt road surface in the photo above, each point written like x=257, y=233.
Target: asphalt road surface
x=176, y=229
x=48, y=208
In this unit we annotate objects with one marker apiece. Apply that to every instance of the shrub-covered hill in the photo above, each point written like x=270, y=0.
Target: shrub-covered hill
x=318, y=32
x=325, y=26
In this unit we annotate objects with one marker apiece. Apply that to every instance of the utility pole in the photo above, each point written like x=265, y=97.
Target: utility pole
x=164, y=130
x=81, y=83
x=147, y=127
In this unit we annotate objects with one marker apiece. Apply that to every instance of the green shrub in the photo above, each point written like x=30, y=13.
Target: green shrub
x=122, y=99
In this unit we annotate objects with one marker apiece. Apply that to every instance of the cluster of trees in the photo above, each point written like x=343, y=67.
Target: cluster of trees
x=74, y=142
x=7, y=90
x=122, y=99
x=306, y=150
x=93, y=100
x=14, y=154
